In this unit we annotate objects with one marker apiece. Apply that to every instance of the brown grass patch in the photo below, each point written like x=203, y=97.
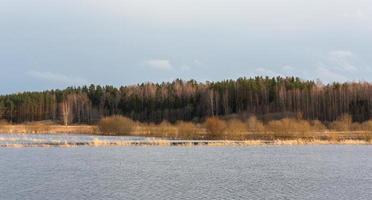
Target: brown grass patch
x=215, y=128
x=116, y=125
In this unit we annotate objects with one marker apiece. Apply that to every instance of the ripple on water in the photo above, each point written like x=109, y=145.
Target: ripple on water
x=260, y=172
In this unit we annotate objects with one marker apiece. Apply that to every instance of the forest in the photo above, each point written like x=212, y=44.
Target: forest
x=193, y=101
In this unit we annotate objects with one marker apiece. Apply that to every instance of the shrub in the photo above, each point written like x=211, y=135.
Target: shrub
x=3, y=122
x=317, y=125
x=215, y=127
x=367, y=126
x=166, y=129
x=289, y=128
x=187, y=130
x=343, y=123
x=117, y=125
x=277, y=128
x=236, y=129
x=254, y=125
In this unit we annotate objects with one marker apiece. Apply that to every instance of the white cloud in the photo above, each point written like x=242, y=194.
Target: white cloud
x=287, y=68
x=342, y=60
x=198, y=62
x=185, y=68
x=267, y=72
x=342, y=65
x=160, y=64
x=58, y=78
x=341, y=53
x=358, y=15
x=283, y=13
x=324, y=73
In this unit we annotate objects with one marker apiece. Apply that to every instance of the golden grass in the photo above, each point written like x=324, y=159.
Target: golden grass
x=214, y=128
x=52, y=129
x=116, y=125
x=45, y=127
x=187, y=130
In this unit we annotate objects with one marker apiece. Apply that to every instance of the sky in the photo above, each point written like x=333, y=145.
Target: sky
x=47, y=44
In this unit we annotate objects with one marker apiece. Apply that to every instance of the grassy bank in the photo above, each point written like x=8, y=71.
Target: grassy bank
x=288, y=130
x=46, y=128
x=235, y=129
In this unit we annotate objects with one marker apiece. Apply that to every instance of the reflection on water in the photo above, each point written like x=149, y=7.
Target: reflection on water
x=40, y=140
x=258, y=172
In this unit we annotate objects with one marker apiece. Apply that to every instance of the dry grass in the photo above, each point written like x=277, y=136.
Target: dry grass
x=215, y=128
x=236, y=129
x=48, y=129
x=254, y=125
x=188, y=130
x=116, y=125
x=3, y=122
x=343, y=123
x=164, y=129
x=317, y=125
x=289, y=128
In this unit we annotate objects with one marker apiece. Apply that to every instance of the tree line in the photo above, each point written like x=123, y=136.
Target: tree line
x=192, y=101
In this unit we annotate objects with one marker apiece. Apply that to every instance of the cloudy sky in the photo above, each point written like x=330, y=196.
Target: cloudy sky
x=48, y=44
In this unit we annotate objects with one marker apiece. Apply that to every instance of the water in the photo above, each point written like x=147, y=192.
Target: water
x=32, y=140
x=257, y=172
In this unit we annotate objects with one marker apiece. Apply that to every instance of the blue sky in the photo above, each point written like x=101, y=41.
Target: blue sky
x=48, y=44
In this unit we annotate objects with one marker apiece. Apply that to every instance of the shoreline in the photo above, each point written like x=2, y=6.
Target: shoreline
x=49, y=129
x=92, y=130
x=169, y=143
x=153, y=142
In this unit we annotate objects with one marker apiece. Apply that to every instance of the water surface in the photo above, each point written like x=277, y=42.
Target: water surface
x=261, y=172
